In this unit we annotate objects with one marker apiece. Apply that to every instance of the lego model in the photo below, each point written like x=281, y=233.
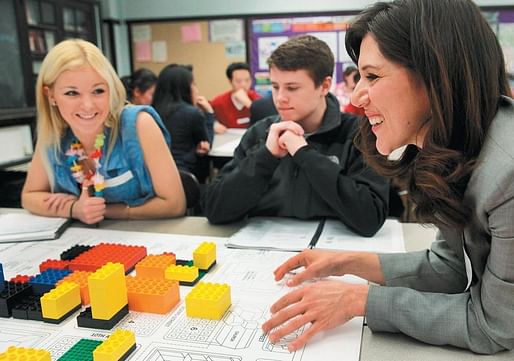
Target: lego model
x=204, y=257
x=117, y=347
x=208, y=300
x=108, y=297
x=11, y=295
x=97, y=256
x=45, y=281
x=80, y=278
x=82, y=350
x=60, y=302
x=154, y=266
x=152, y=295
x=25, y=354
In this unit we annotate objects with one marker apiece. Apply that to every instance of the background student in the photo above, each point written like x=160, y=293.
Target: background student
x=88, y=140
x=140, y=86
x=190, y=126
x=232, y=108
x=444, y=94
x=302, y=162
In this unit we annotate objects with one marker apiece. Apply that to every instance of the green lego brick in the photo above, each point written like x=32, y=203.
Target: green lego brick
x=82, y=350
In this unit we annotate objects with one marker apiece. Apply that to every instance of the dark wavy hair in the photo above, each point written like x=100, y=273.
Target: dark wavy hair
x=451, y=47
x=173, y=87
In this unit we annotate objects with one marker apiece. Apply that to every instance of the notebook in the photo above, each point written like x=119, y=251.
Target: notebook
x=20, y=226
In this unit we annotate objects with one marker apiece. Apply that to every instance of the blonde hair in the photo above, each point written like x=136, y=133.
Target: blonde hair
x=71, y=55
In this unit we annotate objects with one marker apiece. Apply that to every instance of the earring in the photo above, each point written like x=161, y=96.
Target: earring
x=54, y=104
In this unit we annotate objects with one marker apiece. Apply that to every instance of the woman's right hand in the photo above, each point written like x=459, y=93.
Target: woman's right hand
x=89, y=210
x=317, y=264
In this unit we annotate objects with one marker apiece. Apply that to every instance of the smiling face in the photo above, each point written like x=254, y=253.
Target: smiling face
x=297, y=98
x=394, y=99
x=82, y=97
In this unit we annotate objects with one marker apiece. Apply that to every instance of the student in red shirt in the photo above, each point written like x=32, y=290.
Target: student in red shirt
x=232, y=108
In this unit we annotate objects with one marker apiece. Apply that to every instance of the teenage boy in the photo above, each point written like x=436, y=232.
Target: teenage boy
x=232, y=108
x=301, y=163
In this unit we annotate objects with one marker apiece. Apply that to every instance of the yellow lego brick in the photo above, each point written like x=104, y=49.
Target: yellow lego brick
x=208, y=300
x=181, y=273
x=60, y=300
x=205, y=255
x=117, y=345
x=154, y=266
x=14, y=353
x=107, y=291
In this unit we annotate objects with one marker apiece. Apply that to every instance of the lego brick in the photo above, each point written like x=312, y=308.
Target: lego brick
x=21, y=278
x=45, y=281
x=29, y=308
x=152, y=295
x=80, y=278
x=59, y=302
x=99, y=255
x=107, y=290
x=14, y=353
x=2, y=279
x=117, y=347
x=205, y=255
x=74, y=252
x=208, y=300
x=182, y=273
x=85, y=319
x=201, y=273
x=154, y=266
x=53, y=263
x=11, y=295
x=82, y=350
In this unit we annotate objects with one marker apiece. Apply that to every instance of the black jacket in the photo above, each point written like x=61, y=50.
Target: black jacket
x=326, y=178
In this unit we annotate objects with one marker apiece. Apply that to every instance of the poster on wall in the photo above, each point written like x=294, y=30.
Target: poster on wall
x=266, y=46
x=226, y=30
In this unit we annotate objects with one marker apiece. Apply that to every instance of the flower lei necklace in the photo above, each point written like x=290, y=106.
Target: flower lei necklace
x=77, y=153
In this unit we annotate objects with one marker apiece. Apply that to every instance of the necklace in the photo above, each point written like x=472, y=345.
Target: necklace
x=77, y=153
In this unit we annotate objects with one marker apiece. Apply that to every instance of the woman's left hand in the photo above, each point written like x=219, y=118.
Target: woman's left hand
x=324, y=304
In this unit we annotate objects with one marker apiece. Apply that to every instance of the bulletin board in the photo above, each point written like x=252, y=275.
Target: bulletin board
x=266, y=34
x=208, y=45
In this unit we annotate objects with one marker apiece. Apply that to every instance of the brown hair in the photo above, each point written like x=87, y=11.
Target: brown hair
x=304, y=52
x=450, y=46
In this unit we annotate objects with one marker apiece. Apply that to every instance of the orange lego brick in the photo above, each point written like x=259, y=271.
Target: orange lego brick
x=80, y=278
x=154, y=266
x=151, y=294
x=14, y=353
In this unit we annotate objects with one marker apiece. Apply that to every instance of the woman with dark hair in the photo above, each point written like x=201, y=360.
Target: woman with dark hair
x=140, y=86
x=187, y=115
x=432, y=79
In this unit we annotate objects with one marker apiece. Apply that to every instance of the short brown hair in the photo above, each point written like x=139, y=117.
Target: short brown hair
x=304, y=52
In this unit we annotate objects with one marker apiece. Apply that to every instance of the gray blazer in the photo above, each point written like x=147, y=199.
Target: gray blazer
x=425, y=295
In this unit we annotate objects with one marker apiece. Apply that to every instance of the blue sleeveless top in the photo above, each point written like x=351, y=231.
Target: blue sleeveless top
x=127, y=179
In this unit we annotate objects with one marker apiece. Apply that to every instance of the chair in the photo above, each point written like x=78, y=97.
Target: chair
x=191, y=189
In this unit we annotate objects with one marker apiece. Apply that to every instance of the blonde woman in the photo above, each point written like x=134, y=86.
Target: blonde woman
x=96, y=158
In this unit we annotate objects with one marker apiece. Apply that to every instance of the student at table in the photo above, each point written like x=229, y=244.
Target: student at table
x=88, y=141
x=432, y=78
x=232, y=108
x=140, y=86
x=302, y=162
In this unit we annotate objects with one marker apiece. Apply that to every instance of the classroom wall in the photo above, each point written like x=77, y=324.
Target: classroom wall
x=162, y=9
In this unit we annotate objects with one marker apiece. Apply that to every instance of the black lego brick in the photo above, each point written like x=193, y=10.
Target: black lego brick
x=85, y=319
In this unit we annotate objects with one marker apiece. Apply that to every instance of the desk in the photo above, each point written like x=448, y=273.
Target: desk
x=375, y=346
x=224, y=144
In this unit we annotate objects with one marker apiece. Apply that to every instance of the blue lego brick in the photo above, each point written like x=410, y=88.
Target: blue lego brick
x=11, y=295
x=2, y=279
x=46, y=281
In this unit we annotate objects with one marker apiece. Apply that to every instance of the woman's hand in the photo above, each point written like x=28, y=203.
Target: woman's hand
x=203, y=104
x=317, y=263
x=323, y=304
x=89, y=210
x=203, y=147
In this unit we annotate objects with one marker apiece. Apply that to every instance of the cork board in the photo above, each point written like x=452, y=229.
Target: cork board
x=209, y=59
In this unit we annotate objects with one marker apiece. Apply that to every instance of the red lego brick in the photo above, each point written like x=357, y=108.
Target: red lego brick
x=54, y=264
x=99, y=255
x=21, y=278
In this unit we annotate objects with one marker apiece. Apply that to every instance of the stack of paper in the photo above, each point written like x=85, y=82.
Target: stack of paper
x=17, y=227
